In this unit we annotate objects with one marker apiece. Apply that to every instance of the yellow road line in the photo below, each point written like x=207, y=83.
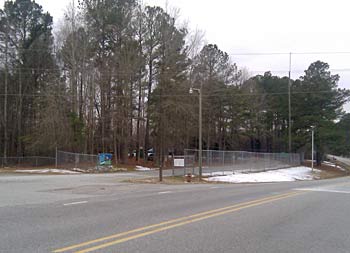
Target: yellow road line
x=105, y=245
x=168, y=222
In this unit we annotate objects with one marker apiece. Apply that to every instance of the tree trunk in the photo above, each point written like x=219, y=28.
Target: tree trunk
x=139, y=119
x=19, y=119
x=150, y=65
x=131, y=116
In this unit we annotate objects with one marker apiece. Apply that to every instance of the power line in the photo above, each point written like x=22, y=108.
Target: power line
x=287, y=53
x=320, y=53
x=298, y=71
x=54, y=70
x=233, y=53
x=258, y=54
x=184, y=95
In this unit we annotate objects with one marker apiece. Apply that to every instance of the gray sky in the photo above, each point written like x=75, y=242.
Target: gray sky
x=269, y=26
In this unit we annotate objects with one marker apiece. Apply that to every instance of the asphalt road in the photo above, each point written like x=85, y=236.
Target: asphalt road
x=100, y=213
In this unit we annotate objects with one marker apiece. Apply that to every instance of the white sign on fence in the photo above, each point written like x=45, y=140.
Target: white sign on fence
x=179, y=162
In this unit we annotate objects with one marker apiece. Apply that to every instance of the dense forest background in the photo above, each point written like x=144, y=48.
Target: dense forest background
x=116, y=78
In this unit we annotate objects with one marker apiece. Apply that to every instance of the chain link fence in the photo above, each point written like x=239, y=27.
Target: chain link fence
x=27, y=161
x=63, y=160
x=69, y=160
x=188, y=165
x=235, y=161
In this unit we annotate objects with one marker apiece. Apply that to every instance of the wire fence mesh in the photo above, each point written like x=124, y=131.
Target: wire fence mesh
x=188, y=165
x=235, y=161
x=27, y=161
x=63, y=160
x=69, y=160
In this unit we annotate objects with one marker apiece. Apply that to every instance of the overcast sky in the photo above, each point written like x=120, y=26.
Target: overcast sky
x=269, y=26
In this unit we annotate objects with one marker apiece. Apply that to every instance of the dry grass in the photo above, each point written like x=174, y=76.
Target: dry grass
x=168, y=180
x=328, y=171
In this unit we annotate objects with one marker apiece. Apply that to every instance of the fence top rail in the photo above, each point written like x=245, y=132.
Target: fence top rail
x=71, y=153
x=236, y=151
x=27, y=157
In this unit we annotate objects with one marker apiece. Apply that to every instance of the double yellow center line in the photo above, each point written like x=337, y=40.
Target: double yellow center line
x=166, y=225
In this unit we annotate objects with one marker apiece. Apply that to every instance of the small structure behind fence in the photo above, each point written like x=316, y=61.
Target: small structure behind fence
x=235, y=161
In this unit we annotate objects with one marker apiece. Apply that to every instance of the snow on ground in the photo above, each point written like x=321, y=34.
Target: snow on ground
x=218, y=173
x=333, y=165
x=40, y=171
x=330, y=164
x=282, y=175
x=140, y=168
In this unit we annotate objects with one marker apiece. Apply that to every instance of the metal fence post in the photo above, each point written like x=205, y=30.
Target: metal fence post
x=56, y=158
x=233, y=159
x=223, y=159
x=208, y=159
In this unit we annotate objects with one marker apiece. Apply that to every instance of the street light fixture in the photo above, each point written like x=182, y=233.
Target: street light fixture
x=200, y=129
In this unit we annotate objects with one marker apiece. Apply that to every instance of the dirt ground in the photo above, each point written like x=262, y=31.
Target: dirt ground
x=328, y=171
x=168, y=180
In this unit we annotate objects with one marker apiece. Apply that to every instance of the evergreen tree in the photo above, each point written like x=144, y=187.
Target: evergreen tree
x=317, y=101
x=27, y=33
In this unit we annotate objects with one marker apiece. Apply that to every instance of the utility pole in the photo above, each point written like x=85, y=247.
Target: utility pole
x=74, y=77
x=5, y=99
x=312, y=148
x=289, y=107
x=200, y=133
x=56, y=161
x=161, y=130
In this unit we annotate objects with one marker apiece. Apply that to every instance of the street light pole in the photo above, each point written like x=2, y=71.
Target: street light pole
x=200, y=133
x=312, y=148
x=199, y=129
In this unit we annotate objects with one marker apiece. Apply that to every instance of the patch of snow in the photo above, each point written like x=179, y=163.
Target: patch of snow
x=330, y=164
x=78, y=170
x=340, y=159
x=218, y=173
x=41, y=171
x=341, y=168
x=334, y=165
x=141, y=168
x=282, y=175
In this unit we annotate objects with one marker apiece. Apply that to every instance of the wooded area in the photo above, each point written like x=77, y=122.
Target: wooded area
x=116, y=78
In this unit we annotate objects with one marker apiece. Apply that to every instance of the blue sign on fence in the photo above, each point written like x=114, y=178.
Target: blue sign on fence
x=105, y=159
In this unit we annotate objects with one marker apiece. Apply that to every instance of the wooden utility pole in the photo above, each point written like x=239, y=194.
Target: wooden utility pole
x=312, y=148
x=289, y=107
x=5, y=98
x=161, y=130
